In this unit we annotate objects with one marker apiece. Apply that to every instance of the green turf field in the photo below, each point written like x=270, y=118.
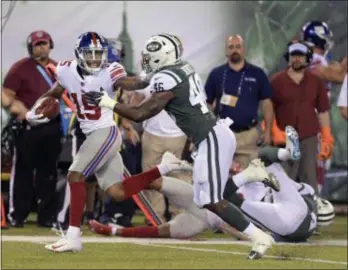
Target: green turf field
x=24, y=248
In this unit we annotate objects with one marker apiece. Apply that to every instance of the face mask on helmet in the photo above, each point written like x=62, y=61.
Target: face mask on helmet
x=145, y=63
x=326, y=212
x=93, y=59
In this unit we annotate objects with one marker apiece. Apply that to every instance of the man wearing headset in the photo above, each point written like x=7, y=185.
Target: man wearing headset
x=300, y=100
x=36, y=147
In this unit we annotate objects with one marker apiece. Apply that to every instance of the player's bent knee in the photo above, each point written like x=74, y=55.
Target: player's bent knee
x=75, y=177
x=116, y=192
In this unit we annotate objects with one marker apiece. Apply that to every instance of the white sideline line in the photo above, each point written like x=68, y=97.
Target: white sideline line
x=164, y=243
x=245, y=254
x=100, y=239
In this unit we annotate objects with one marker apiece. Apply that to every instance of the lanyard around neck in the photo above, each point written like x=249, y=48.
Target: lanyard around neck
x=240, y=84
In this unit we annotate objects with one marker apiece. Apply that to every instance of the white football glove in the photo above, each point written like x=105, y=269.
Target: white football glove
x=107, y=101
x=100, y=99
x=34, y=119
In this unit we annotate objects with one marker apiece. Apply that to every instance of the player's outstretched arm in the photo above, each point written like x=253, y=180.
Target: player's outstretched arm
x=333, y=73
x=145, y=110
x=138, y=113
x=130, y=83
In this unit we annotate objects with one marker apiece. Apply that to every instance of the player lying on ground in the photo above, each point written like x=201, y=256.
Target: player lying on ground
x=99, y=154
x=290, y=214
x=177, y=88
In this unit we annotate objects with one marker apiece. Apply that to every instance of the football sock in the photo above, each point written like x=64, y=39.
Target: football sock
x=283, y=154
x=232, y=216
x=271, y=154
x=138, y=182
x=77, y=203
x=145, y=232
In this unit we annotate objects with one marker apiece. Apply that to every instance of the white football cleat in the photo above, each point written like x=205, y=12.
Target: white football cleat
x=292, y=143
x=256, y=172
x=261, y=242
x=66, y=244
x=175, y=164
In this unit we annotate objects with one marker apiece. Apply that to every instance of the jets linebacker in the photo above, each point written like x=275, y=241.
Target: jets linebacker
x=176, y=87
x=99, y=153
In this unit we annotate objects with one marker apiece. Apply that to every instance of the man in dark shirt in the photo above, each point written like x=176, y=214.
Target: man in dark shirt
x=300, y=100
x=36, y=147
x=235, y=90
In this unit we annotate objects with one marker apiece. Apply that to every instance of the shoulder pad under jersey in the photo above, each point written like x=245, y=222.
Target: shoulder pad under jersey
x=62, y=69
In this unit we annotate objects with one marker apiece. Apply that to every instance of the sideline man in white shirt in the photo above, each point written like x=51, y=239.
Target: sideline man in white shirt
x=342, y=101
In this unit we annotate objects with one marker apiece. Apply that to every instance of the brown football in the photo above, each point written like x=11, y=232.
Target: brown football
x=49, y=107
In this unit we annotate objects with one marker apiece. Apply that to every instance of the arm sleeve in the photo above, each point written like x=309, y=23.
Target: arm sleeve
x=265, y=88
x=116, y=72
x=210, y=87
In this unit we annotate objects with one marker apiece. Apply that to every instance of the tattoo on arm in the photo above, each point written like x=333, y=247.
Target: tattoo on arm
x=145, y=110
x=56, y=91
x=130, y=83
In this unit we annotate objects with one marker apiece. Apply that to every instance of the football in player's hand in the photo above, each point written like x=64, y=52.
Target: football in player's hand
x=49, y=107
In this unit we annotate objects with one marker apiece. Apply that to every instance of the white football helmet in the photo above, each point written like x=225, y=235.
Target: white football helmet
x=326, y=212
x=160, y=51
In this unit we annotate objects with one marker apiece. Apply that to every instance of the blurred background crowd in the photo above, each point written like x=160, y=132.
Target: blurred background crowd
x=238, y=50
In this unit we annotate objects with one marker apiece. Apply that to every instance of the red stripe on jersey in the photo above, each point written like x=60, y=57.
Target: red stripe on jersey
x=115, y=68
x=117, y=73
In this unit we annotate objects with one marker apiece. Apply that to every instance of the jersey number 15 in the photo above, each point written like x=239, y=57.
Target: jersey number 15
x=94, y=115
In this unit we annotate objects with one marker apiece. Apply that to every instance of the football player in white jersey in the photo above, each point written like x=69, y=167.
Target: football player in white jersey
x=99, y=153
x=289, y=214
x=318, y=35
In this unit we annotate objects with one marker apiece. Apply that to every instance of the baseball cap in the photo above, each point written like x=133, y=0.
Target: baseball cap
x=38, y=36
x=298, y=49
